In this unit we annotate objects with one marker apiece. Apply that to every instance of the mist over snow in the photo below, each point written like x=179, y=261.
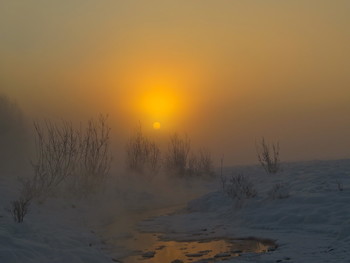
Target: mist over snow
x=133, y=131
x=302, y=206
x=63, y=225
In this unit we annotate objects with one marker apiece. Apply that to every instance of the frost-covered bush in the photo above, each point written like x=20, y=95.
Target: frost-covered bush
x=239, y=187
x=142, y=154
x=268, y=155
x=279, y=191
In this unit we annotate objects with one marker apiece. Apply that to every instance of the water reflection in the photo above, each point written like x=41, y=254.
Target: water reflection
x=159, y=251
x=132, y=246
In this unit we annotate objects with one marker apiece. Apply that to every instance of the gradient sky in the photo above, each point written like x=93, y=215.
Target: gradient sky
x=225, y=72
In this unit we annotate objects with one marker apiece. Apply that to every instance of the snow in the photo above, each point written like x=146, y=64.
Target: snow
x=311, y=225
x=54, y=231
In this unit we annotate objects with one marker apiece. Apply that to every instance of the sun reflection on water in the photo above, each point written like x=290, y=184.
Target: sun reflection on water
x=195, y=251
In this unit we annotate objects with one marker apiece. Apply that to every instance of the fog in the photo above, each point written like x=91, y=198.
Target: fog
x=222, y=73
x=124, y=197
x=232, y=71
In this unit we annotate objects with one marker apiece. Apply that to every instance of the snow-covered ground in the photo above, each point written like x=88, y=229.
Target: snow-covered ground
x=55, y=231
x=311, y=225
x=68, y=229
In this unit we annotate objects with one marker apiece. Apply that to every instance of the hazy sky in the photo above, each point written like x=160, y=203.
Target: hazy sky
x=226, y=72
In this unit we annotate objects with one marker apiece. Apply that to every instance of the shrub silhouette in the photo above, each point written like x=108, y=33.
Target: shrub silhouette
x=177, y=156
x=142, y=154
x=180, y=162
x=79, y=158
x=268, y=156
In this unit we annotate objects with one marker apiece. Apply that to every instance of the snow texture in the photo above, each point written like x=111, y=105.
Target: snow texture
x=55, y=231
x=311, y=223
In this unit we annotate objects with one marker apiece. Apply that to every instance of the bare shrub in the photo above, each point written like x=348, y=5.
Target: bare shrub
x=193, y=168
x=279, y=191
x=205, y=164
x=177, y=156
x=19, y=209
x=239, y=187
x=179, y=160
x=268, y=155
x=142, y=154
x=154, y=157
x=201, y=165
x=28, y=189
x=65, y=154
x=93, y=155
x=56, y=148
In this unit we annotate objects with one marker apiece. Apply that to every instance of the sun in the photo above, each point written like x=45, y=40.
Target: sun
x=156, y=125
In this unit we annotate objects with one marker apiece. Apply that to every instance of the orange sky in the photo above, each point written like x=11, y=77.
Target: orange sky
x=225, y=72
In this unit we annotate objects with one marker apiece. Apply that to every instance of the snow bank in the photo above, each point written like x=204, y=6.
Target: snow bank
x=312, y=225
